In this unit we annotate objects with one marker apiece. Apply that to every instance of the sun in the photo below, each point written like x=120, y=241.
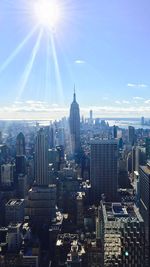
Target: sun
x=47, y=12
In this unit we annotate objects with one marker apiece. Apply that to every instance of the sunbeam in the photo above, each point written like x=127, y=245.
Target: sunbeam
x=29, y=66
x=57, y=71
x=17, y=50
x=48, y=82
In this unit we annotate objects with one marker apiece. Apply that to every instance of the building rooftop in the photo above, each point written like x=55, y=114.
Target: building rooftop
x=14, y=202
x=121, y=212
x=103, y=141
x=66, y=238
x=146, y=168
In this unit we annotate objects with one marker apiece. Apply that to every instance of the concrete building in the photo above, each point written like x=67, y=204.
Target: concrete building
x=104, y=169
x=122, y=232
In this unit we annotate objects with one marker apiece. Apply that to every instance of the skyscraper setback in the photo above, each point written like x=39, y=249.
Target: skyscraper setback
x=74, y=122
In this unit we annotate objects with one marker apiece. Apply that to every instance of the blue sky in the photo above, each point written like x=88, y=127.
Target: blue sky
x=101, y=46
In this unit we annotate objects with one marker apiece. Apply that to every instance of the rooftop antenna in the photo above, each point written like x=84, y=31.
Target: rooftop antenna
x=74, y=95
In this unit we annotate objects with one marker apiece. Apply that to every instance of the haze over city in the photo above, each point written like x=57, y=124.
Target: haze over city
x=100, y=46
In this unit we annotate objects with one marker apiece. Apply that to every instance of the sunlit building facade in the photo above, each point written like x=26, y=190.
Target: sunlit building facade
x=121, y=228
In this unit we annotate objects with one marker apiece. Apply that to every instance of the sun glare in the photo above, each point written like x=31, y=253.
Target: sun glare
x=47, y=12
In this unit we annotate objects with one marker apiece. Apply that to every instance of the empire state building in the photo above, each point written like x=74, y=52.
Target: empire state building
x=74, y=122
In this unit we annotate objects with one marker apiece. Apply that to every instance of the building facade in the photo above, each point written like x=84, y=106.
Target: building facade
x=74, y=122
x=122, y=232
x=41, y=158
x=104, y=169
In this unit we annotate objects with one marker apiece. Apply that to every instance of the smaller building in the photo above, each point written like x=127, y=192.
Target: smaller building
x=13, y=237
x=80, y=208
x=41, y=204
x=14, y=211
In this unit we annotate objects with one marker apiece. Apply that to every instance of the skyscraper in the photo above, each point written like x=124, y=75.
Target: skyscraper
x=41, y=158
x=20, y=145
x=114, y=131
x=42, y=196
x=74, y=122
x=20, y=177
x=144, y=201
x=104, y=169
x=131, y=135
x=91, y=116
x=148, y=148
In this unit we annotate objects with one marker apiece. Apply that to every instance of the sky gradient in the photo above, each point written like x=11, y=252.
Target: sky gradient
x=101, y=46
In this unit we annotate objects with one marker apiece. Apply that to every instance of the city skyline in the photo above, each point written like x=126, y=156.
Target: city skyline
x=101, y=47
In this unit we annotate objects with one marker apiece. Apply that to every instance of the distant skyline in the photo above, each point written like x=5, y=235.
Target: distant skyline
x=101, y=46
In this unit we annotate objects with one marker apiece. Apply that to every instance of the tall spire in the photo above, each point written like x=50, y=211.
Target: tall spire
x=74, y=95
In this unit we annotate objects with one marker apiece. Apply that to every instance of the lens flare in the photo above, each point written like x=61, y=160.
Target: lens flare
x=47, y=12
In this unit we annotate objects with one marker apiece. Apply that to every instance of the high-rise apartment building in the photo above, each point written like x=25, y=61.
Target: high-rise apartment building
x=74, y=122
x=104, y=169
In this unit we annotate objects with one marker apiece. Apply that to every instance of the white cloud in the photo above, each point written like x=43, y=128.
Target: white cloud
x=137, y=85
x=36, y=110
x=138, y=98
x=55, y=105
x=79, y=61
x=143, y=85
x=147, y=101
x=118, y=102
